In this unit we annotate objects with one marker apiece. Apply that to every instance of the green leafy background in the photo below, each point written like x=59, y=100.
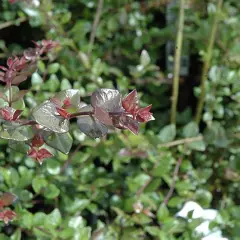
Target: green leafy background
x=95, y=191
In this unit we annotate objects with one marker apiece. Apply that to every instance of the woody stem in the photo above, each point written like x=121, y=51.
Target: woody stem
x=10, y=95
x=90, y=113
x=81, y=114
x=74, y=115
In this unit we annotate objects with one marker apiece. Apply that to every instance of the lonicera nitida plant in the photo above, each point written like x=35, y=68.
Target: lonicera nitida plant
x=49, y=122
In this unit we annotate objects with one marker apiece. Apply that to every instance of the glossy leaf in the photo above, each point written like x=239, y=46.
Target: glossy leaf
x=131, y=102
x=60, y=141
x=10, y=114
x=103, y=116
x=72, y=94
x=91, y=126
x=107, y=99
x=47, y=116
x=16, y=131
x=128, y=123
x=131, y=105
x=144, y=114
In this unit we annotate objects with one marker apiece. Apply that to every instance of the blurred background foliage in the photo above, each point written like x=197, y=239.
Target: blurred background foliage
x=114, y=188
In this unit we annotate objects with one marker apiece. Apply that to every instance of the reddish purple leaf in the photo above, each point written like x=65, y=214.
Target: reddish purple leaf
x=32, y=153
x=6, y=114
x=7, y=199
x=62, y=112
x=130, y=124
x=19, y=79
x=49, y=44
x=20, y=63
x=131, y=105
x=16, y=63
x=9, y=62
x=39, y=155
x=19, y=68
x=130, y=102
x=3, y=68
x=103, y=116
x=144, y=114
x=7, y=216
x=37, y=141
x=10, y=114
x=126, y=122
x=16, y=115
x=43, y=153
x=67, y=102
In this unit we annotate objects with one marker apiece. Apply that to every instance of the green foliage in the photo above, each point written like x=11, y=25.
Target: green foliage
x=114, y=188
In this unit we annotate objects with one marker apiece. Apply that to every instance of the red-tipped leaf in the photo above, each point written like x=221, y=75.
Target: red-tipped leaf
x=7, y=215
x=7, y=199
x=144, y=114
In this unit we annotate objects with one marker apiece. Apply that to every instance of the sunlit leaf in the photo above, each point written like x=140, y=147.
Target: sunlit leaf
x=46, y=115
x=72, y=94
x=107, y=99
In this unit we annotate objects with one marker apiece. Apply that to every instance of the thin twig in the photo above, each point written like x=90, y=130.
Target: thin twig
x=13, y=22
x=177, y=62
x=77, y=114
x=70, y=157
x=181, y=141
x=95, y=25
x=206, y=64
x=175, y=175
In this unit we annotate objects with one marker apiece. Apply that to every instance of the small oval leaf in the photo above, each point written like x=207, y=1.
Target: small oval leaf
x=46, y=115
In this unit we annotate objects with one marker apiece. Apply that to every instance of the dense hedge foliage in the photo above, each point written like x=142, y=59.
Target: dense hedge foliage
x=127, y=186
